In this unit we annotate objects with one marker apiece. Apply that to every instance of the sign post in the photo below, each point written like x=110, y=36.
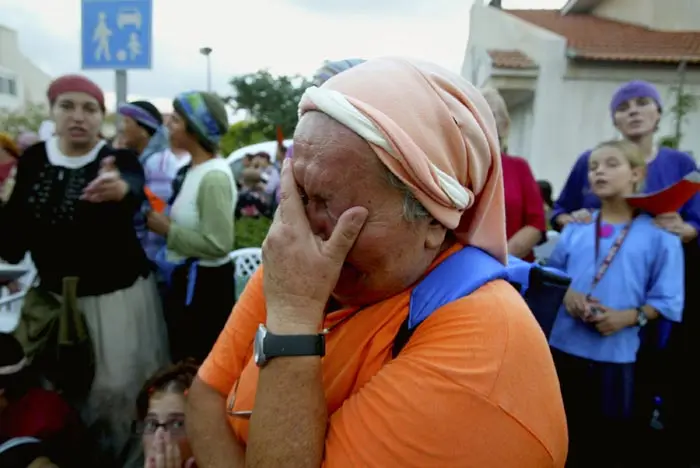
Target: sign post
x=117, y=35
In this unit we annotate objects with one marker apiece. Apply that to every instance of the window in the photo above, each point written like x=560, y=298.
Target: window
x=8, y=86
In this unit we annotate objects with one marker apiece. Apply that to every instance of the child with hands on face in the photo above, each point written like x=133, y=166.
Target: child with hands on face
x=161, y=408
x=625, y=270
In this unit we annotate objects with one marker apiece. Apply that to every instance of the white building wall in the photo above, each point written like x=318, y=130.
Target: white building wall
x=31, y=82
x=669, y=15
x=570, y=110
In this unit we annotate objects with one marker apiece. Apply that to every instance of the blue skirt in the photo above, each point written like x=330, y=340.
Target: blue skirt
x=599, y=403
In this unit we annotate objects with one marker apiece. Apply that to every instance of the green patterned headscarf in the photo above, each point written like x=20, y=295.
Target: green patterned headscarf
x=205, y=114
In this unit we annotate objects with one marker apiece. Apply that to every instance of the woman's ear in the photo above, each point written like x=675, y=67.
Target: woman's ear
x=638, y=176
x=435, y=235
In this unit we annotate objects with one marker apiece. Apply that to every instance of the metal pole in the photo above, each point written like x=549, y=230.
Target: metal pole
x=121, y=85
x=208, y=73
x=206, y=51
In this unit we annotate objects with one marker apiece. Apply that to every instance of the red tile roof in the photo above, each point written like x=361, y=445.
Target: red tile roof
x=595, y=38
x=511, y=59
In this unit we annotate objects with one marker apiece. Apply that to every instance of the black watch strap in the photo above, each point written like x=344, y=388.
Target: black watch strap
x=294, y=345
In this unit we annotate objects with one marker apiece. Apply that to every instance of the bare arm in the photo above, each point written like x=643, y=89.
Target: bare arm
x=524, y=241
x=213, y=443
x=288, y=425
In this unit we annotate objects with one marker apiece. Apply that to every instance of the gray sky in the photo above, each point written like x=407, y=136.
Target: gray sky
x=286, y=36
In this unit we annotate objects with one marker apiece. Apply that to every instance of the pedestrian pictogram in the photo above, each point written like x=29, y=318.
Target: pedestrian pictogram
x=101, y=37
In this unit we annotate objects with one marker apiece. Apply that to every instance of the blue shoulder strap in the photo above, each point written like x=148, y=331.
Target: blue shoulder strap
x=457, y=276
x=466, y=271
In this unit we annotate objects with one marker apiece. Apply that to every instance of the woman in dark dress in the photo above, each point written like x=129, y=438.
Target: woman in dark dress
x=73, y=208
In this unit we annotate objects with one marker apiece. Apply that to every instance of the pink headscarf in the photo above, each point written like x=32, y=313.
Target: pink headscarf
x=435, y=132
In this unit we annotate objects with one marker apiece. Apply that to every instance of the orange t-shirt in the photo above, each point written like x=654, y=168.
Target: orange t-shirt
x=474, y=387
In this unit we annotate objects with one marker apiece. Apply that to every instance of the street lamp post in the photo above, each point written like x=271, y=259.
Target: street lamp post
x=206, y=51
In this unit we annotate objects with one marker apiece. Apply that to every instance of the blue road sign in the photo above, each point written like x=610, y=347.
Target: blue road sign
x=117, y=34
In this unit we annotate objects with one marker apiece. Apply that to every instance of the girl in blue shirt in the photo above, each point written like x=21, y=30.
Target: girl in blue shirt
x=626, y=271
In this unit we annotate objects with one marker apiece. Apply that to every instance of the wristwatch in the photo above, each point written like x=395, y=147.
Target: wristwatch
x=641, y=317
x=268, y=345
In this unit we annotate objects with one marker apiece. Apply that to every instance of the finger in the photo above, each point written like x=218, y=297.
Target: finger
x=290, y=209
x=159, y=454
x=92, y=186
x=600, y=318
x=175, y=459
x=170, y=455
x=108, y=164
x=669, y=215
x=345, y=233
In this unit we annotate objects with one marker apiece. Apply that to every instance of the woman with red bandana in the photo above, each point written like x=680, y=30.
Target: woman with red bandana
x=73, y=208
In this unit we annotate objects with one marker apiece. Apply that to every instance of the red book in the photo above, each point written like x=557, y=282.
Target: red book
x=670, y=199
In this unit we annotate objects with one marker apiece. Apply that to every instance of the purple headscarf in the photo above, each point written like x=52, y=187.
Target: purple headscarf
x=633, y=90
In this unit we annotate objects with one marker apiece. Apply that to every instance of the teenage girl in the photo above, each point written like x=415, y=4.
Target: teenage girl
x=625, y=271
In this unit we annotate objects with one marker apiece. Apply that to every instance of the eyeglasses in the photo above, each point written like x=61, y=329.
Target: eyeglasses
x=175, y=427
x=232, y=403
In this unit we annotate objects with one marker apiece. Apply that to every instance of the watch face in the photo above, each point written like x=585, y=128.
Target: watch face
x=258, y=352
x=641, y=318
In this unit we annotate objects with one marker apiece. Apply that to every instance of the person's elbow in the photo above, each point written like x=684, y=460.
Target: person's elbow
x=220, y=248
x=203, y=404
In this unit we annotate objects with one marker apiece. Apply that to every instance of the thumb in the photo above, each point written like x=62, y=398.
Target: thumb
x=345, y=233
x=108, y=164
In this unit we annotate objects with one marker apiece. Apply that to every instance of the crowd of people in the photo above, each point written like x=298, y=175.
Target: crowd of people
x=356, y=344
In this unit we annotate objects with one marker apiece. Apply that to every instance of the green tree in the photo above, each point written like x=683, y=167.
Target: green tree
x=28, y=118
x=269, y=101
x=239, y=135
x=683, y=104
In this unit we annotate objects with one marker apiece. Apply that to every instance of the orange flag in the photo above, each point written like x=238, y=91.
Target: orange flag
x=157, y=204
x=280, y=136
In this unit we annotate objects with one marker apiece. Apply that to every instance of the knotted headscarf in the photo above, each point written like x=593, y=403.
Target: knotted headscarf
x=205, y=114
x=145, y=114
x=330, y=69
x=8, y=144
x=634, y=90
x=75, y=84
x=435, y=132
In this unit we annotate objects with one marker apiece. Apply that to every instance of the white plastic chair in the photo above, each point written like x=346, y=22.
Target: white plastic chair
x=246, y=262
x=543, y=251
x=11, y=304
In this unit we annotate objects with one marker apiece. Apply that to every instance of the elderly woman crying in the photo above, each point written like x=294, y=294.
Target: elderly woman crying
x=355, y=345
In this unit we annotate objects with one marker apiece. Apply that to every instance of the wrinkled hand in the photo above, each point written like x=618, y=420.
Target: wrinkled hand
x=673, y=223
x=610, y=321
x=300, y=269
x=578, y=305
x=108, y=186
x=164, y=453
x=158, y=223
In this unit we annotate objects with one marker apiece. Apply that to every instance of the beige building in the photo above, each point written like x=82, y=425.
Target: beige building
x=558, y=69
x=21, y=82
